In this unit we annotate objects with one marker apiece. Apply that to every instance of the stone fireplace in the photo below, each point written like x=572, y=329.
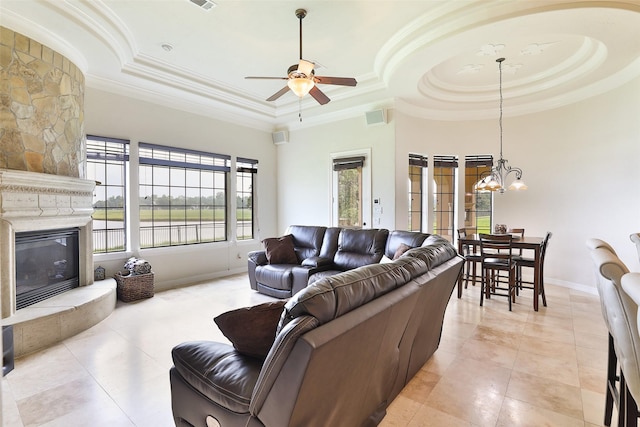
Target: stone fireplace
x=32, y=202
x=42, y=163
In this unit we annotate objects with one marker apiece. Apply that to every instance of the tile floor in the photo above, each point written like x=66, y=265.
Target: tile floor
x=493, y=367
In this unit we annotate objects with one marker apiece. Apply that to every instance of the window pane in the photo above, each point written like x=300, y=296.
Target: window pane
x=349, y=197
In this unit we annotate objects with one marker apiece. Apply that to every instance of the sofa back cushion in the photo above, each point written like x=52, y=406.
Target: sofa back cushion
x=307, y=240
x=434, y=251
x=399, y=237
x=358, y=247
x=336, y=295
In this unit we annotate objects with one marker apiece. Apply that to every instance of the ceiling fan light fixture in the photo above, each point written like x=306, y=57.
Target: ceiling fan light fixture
x=300, y=85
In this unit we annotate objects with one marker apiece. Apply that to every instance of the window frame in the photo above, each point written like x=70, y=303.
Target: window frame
x=183, y=228
x=440, y=163
x=482, y=165
x=418, y=167
x=245, y=169
x=114, y=151
x=365, y=196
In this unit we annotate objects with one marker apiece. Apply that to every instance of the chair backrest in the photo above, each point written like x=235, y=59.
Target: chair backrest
x=496, y=246
x=594, y=243
x=545, y=243
x=467, y=249
x=520, y=233
x=635, y=238
x=631, y=285
x=620, y=313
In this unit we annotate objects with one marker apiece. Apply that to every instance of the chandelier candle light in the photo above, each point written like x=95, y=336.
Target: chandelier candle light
x=495, y=180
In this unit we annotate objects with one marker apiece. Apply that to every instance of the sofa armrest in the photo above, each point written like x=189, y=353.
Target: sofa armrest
x=317, y=262
x=255, y=258
x=258, y=257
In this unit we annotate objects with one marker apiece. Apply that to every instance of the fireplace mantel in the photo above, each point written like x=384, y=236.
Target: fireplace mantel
x=36, y=201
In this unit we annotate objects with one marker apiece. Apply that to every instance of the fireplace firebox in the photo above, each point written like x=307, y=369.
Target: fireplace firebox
x=47, y=264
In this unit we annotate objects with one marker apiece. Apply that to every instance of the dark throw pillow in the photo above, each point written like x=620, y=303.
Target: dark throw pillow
x=401, y=250
x=252, y=330
x=279, y=250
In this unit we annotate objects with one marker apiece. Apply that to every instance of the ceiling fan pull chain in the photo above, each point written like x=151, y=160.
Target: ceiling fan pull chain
x=300, y=109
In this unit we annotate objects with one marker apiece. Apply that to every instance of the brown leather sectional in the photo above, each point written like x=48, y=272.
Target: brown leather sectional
x=324, y=251
x=345, y=347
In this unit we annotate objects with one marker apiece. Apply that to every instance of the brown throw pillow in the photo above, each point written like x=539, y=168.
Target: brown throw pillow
x=279, y=250
x=401, y=250
x=252, y=330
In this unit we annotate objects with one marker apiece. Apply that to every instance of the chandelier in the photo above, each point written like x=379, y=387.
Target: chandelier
x=495, y=180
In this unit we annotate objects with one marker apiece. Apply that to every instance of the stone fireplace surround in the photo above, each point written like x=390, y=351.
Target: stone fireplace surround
x=32, y=201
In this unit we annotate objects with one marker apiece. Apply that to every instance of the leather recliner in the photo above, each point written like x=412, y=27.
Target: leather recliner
x=284, y=280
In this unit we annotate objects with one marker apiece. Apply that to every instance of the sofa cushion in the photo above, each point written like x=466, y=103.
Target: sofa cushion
x=280, y=250
x=358, y=247
x=398, y=237
x=402, y=248
x=277, y=276
x=219, y=372
x=434, y=251
x=336, y=295
x=307, y=239
x=252, y=330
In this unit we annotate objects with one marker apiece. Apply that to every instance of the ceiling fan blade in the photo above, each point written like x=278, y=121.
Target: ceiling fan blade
x=318, y=95
x=343, y=81
x=278, y=94
x=267, y=78
x=306, y=67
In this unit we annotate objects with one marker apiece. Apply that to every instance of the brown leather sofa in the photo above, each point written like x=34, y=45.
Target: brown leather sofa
x=322, y=252
x=345, y=347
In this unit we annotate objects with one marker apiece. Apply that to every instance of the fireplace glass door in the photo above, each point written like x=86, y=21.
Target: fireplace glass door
x=46, y=264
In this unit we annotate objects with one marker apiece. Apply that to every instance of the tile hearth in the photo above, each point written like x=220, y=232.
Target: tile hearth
x=493, y=367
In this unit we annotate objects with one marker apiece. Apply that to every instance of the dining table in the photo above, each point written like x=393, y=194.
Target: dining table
x=527, y=242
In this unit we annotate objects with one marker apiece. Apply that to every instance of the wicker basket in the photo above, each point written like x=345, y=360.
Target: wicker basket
x=134, y=287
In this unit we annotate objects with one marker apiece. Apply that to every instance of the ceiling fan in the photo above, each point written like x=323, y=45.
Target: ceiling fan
x=301, y=78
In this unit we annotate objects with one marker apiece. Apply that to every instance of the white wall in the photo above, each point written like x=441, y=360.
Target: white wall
x=580, y=163
x=116, y=116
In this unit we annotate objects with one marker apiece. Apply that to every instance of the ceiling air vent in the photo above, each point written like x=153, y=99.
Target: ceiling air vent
x=204, y=4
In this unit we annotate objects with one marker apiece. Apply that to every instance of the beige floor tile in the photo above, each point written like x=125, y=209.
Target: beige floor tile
x=400, y=412
x=558, y=368
x=547, y=394
x=430, y=417
x=517, y=413
x=487, y=351
x=469, y=380
x=420, y=386
x=593, y=404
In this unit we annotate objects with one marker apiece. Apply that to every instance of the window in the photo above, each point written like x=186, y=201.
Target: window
x=107, y=163
x=417, y=175
x=444, y=176
x=477, y=204
x=348, y=174
x=246, y=172
x=183, y=196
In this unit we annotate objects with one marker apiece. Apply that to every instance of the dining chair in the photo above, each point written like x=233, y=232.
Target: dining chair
x=471, y=254
x=619, y=312
x=496, y=256
x=635, y=238
x=531, y=263
x=631, y=285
